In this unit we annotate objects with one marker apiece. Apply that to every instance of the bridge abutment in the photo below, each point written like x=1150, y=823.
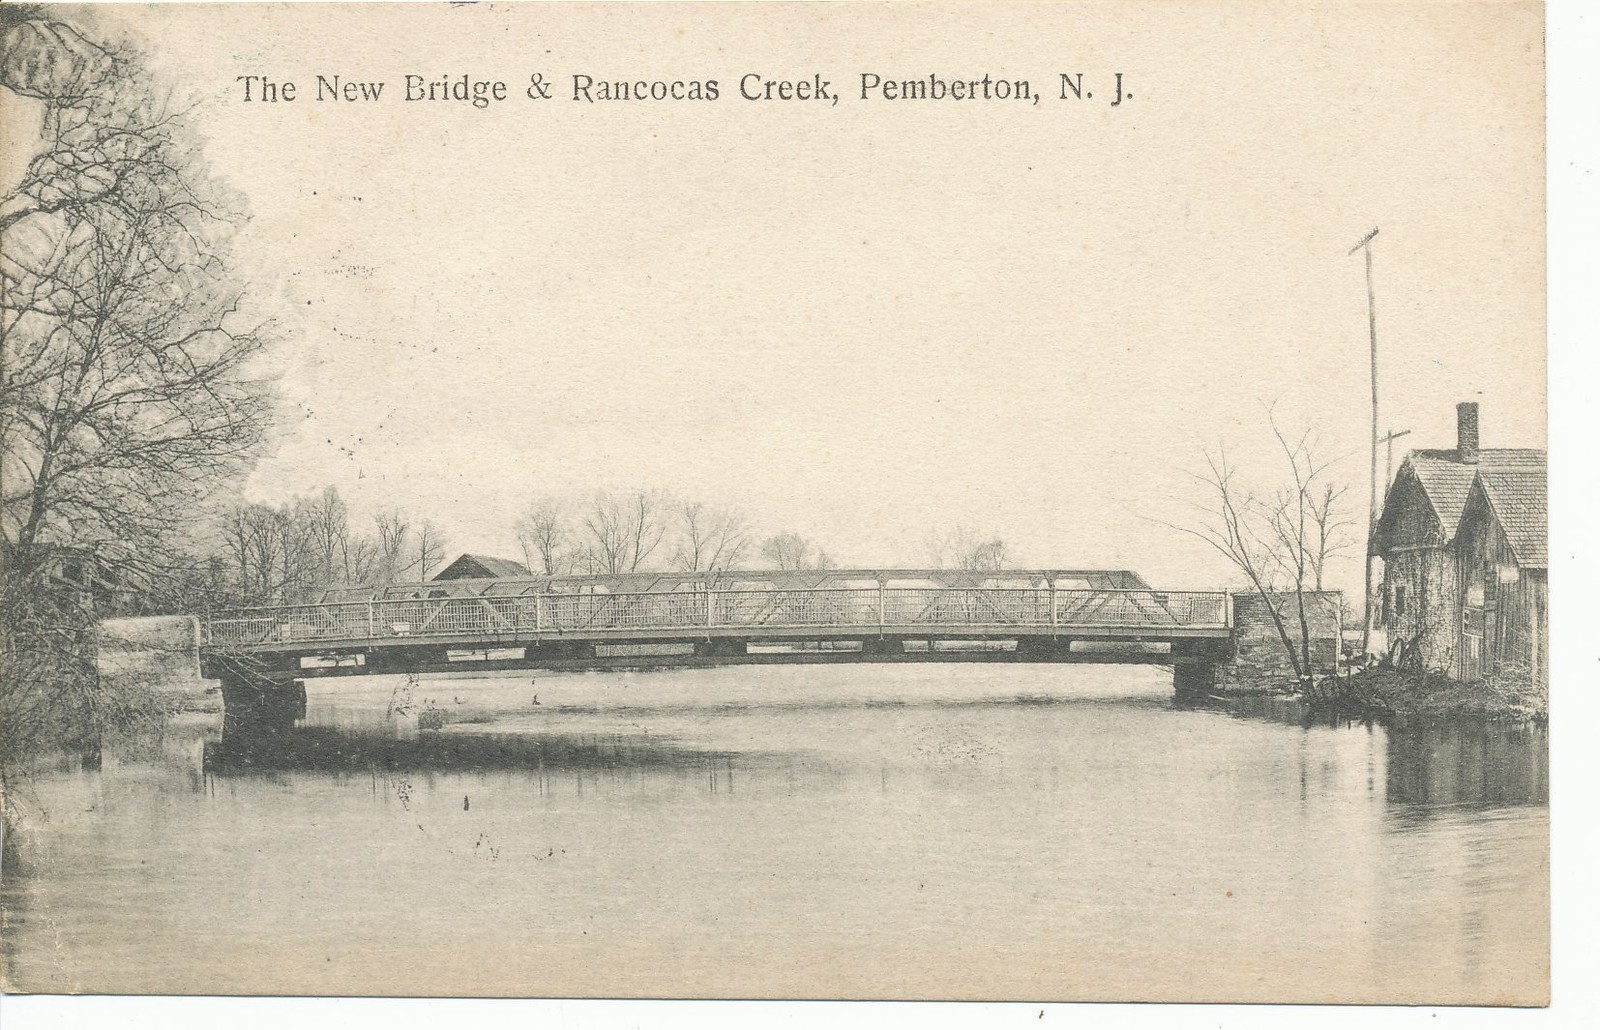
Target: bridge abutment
x=261, y=700
x=1194, y=681
x=1257, y=659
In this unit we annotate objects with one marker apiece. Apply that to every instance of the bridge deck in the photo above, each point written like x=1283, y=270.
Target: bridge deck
x=748, y=615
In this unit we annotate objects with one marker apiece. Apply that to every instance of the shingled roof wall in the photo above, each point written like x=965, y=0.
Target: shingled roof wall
x=1518, y=499
x=1447, y=480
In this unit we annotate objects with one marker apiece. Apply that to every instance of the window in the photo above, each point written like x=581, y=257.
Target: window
x=1399, y=600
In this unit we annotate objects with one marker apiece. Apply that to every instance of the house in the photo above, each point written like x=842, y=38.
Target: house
x=482, y=566
x=1446, y=514
x=88, y=578
x=1502, y=568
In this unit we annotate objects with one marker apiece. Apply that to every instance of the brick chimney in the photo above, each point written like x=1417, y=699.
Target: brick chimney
x=1467, y=432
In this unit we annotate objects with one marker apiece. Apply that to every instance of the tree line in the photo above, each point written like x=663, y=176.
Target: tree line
x=261, y=554
x=651, y=531
x=289, y=553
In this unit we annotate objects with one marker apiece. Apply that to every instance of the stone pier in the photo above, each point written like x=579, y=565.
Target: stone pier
x=1257, y=659
x=261, y=701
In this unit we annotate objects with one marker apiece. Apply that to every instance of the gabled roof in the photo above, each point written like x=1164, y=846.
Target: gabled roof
x=464, y=567
x=1518, y=499
x=1446, y=480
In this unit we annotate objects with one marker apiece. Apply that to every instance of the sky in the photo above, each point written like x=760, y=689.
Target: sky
x=872, y=320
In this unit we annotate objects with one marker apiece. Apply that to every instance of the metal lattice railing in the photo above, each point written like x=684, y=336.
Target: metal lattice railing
x=974, y=607
x=825, y=607
x=533, y=616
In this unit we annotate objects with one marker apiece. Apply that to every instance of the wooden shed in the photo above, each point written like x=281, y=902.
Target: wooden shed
x=1502, y=566
x=1431, y=603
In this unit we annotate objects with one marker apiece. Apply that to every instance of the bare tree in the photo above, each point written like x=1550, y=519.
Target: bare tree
x=359, y=555
x=270, y=550
x=327, y=529
x=392, y=544
x=647, y=525
x=545, y=537
x=621, y=533
x=786, y=551
x=257, y=542
x=605, y=543
x=1232, y=529
x=962, y=548
x=1332, y=528
x=256, y=554
x=709, y=539
x=790, y=550
x=127, y=394
x=1279, y=542
x=430, y=547
x=1297, y=534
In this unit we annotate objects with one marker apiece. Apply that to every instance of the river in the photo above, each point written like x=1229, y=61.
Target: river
x=932, y=831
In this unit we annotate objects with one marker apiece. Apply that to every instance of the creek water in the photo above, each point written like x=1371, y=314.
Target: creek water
x=930, y=831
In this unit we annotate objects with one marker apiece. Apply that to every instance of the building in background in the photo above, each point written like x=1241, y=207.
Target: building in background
x=1462, y=538
x=86, y=578
x=482, y=566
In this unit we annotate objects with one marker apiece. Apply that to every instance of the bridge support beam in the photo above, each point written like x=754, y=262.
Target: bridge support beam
x=883, y=646
x=720, y=647
x=1043, y=649
x=561, y=650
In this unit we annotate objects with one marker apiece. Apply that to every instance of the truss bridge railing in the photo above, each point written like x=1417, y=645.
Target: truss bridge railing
x=687, y=613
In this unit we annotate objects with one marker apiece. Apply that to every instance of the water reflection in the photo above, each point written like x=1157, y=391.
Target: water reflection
x=1436, y=761
x=931, y=832
x=1468, y=762
x=244, y=749
x=1429, y=763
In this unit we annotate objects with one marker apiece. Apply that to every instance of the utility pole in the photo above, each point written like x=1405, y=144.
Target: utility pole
x=1372, y=492
x=1388, y=456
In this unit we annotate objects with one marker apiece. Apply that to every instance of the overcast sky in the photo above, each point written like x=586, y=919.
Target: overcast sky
x=869, y=320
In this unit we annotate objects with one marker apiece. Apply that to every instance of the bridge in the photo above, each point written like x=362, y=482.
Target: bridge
x=754, y=617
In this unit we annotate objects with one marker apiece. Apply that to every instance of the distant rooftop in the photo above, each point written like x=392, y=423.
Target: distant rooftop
x=483, y=566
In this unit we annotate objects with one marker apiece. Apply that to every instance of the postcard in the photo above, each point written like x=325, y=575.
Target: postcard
x=776, y=501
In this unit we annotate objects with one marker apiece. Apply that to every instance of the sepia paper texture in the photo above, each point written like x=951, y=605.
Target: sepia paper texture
x=962, y=299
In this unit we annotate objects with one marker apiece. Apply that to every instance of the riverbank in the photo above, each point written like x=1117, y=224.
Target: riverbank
x=1381, y=691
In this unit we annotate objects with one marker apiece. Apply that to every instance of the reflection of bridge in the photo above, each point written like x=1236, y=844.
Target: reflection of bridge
x=852, y=615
